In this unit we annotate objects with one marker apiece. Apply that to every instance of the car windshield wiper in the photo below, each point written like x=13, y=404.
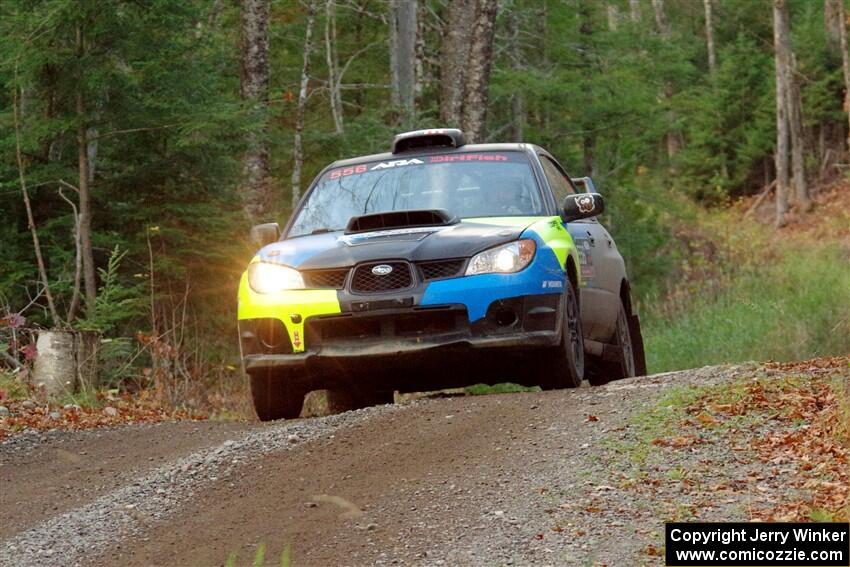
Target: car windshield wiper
x=324, y=230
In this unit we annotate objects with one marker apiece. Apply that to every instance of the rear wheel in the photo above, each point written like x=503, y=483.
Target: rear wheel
x=278, y=394
x=628, y=359
x=563, y=366
x=625, y=365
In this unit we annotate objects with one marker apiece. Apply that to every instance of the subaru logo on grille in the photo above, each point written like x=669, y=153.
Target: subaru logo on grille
x=382, y=270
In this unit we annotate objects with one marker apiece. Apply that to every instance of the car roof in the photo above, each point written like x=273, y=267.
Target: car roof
x=466, y=148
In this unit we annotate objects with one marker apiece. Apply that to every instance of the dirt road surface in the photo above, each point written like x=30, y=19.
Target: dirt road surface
x=478, y=480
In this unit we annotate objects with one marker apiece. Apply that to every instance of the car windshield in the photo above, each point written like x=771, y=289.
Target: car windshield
x=468, y=185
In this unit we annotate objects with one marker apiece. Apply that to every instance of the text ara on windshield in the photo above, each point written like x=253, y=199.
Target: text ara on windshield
x=363, y=168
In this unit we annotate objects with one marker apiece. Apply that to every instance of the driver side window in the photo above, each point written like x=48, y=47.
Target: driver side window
x=559, y=184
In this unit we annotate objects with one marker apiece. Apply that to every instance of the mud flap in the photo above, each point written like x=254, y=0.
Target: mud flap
x=637, y=345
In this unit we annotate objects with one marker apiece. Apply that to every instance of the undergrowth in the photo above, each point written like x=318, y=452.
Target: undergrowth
x=796, y=306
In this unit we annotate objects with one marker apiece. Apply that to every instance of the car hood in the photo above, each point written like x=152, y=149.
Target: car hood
x=340, y=250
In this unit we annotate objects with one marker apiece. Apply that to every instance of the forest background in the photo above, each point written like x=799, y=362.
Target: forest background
x=140, y=140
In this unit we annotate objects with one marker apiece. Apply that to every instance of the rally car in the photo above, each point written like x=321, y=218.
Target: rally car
x=440, y=264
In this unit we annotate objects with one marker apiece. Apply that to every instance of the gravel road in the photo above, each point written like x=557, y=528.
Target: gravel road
x=480, y=480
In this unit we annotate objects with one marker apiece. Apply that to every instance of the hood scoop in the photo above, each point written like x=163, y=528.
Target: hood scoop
x=400, y=219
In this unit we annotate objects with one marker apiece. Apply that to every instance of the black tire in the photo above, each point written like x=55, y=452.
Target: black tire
x=563, y=365
x=624, y=364
x=278, y=394
x=637, y=345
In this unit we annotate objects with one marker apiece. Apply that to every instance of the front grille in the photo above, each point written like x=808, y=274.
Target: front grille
x=333, y=279
x=364, y=281
x=440, y=269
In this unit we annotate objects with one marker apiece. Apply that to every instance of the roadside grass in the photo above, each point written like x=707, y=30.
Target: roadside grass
x=259, y=559
x=795, y=414
x=503, y=388
x=85, y=399
x=794, y=307
x=12, y=388
x=650, y=424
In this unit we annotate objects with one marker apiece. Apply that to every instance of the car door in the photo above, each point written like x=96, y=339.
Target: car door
x=602, y=267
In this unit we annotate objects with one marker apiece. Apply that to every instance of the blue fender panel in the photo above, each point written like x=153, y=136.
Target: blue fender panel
x=543, y=276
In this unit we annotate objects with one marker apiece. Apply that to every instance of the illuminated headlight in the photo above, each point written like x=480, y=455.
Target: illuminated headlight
x=505, y=259
x=269, y=278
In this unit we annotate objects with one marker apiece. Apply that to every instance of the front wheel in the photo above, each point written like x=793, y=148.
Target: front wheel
x=563, y=365
x=278, y=394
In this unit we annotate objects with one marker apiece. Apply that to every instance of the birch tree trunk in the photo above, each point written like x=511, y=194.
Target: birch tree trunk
x=781, y=30
x=255, y=189
x=480, y=61
x=403, y=30
x=89, y=270
x=453, y=60
x=709, y=35
x=661, y=21
x=613, y=17
x=635, y=12
x=297, y=146
x=333, y=67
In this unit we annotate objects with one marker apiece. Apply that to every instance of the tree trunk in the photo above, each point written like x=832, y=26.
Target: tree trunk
x=453, y=60
x=833, y=20
x=74, y=304
x=586, y=47
x=661, y=18
x=255, y=189
x=674, y=140
x=403, y=57
x=635, y=11
x=419, y=71
x=89, y=270
x=613, y=17
x=709, y=35
x=795, y=117
x=781, y=31
x=515, y=54
x=845, y=63
x=42, y=269
x=67, y=362
x=333, y=66
x=477, y=92
x=298, y=150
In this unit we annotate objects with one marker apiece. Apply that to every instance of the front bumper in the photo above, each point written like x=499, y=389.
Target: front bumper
x=518, y=323
x=335, y=354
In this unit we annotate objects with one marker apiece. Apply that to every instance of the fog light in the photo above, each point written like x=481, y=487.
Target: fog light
x=270, y=333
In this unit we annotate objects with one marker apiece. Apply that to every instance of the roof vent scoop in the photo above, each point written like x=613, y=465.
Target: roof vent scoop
x=400, y=219
x=438, y=138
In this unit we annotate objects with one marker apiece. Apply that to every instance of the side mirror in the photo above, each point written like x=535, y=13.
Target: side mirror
x=583, y=206
x=267, y=233
x=584, y=184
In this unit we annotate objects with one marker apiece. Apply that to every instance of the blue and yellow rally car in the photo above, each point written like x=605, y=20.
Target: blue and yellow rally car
x=440, y=264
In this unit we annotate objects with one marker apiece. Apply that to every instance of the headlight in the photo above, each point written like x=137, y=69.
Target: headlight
x=269, y=278
x=505, y=259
